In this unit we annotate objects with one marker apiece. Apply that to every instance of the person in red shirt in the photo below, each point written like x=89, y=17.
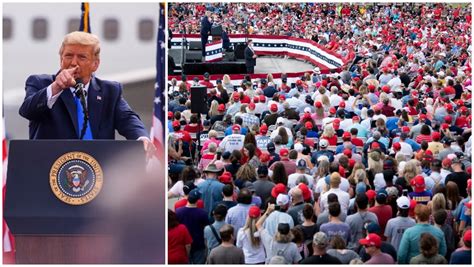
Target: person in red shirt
x=206, y=81
x=382, y=210
x=329, y=132
x=184, y=136
x=193, y=126
x=179, y=240
x=354, y=139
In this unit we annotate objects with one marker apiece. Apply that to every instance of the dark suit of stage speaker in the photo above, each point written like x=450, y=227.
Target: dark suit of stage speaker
x=108, y=111
x=205, y=31
x=250, y=62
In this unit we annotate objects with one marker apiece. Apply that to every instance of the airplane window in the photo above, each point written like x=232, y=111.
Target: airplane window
x=146, y=29
x=7, y=28
x=111, y=30
x=40, y=28
x=73, y=25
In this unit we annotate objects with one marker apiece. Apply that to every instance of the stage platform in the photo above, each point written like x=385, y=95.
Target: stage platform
x=265, y=64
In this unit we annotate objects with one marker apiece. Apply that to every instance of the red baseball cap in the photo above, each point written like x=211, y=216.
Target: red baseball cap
x=278, y=189
x=170, y=114
x=307, y=116
x=273, y=107
x=263, y=129
x=386, y=89
x=419, y=183
x=375, y=145
x=370, y=194
x=255, y=99
x=221, y=107
x=448, y=119
x=467, y=237
x=346, y=135
x=332, y=110
x=371, y=87
x=347, y=152
x=284, y=152
x=444, y=126
x=254, y=212
x=318, y=104
x=282, y=97
x=397, y=146
x=305, y=190
x=449, y=107
x=342, y=104
x=236, y=96
x=371, y=240
x=235, y=127
x=252, y=106
x=262, y=98
x=422, y=116
x=225, y=178
x=176, y=124
x=355, y=118
x=436, y=136
x=405, y=129
x=308, y=125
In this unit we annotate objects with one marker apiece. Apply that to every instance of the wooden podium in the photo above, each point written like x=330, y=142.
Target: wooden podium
x=123, y=223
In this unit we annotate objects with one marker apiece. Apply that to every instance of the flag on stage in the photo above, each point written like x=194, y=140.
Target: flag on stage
x=85, y=22
x=214, y=51
x=8, y=240
x=157, y=131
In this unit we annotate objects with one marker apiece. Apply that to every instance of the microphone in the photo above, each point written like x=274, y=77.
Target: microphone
x=81, y=94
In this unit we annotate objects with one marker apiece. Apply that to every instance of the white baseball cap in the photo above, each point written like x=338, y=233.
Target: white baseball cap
x=403, y=202
x=282, y=199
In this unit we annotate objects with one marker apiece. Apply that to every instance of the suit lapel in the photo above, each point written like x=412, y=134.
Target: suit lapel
x=68, y=99
x=95, y=101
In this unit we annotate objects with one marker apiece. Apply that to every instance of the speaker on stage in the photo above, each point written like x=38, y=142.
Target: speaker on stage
x=216, y=30
x=195, y=45
x=193, y=56
x=239, y=51
x=199, y=99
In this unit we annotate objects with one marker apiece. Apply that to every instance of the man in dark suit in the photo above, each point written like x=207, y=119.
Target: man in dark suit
x=250, y=57
x=205, y=31
x=54, y=111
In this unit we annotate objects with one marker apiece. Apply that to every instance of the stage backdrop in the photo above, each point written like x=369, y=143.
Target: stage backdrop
x=272, y=45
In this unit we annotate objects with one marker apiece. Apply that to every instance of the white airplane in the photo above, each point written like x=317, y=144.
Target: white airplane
x=33, y=32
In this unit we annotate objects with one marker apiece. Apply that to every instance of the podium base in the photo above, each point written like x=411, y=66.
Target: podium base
x=33, y=249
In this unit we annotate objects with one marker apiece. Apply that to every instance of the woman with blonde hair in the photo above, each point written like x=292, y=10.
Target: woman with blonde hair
x=226, y=82
x=352, y=177
x=213, y=108
x=407, y=171
x=249, y=240
x=320, y=114
x=270, y=78
x=244, y=175
x=375, y=166
x=326, y=103
x=329, y=134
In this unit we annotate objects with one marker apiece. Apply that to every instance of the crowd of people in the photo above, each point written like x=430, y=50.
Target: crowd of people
x=367, y=164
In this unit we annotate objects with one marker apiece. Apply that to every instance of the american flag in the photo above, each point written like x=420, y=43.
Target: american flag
x=85, y=25
x=8, y=240
x=157, y=132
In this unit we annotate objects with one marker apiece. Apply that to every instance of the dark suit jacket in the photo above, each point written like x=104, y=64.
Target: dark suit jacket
x=108, y=111
x=205, y=26
x=249, y=61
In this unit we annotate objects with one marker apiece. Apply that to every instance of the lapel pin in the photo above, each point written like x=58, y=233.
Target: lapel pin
x=99, y=98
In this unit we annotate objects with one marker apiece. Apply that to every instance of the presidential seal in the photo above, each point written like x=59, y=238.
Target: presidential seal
x=76, y=178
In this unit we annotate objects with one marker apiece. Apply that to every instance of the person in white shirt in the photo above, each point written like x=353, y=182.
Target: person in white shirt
x=342, y=196
x=234, y=141
x=334, y=99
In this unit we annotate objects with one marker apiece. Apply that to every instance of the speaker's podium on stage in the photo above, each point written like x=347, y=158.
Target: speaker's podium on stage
x=84, y=202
